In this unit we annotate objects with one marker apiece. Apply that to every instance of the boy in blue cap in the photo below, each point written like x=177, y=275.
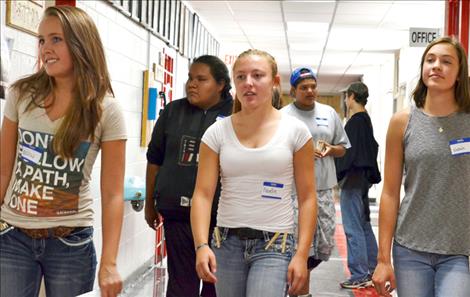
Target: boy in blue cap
x=330, y=141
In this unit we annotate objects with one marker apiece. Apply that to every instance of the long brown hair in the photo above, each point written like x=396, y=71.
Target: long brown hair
x=461, y=88
x=92, y=82
x=254, y=52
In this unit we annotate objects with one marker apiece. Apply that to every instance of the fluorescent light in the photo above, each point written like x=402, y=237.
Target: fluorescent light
x=367, y=39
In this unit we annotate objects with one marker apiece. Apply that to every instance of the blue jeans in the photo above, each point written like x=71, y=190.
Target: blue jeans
x=246, y=269
x=67, y=264
x=361, y=242
x=421, y=274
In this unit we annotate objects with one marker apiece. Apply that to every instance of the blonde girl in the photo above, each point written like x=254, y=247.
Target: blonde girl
x=56, y=121
x=259, y=153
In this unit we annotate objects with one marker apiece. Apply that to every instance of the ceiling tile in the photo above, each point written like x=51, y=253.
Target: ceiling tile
x=375, y=29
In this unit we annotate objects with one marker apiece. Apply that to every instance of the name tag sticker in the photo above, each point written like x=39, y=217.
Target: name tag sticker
x=460, y=146
x=272, y=190
x=321, y=121
x=30, y=153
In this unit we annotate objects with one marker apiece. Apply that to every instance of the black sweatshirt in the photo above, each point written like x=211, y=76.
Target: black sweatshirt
x=175, y=148
x=362, y=155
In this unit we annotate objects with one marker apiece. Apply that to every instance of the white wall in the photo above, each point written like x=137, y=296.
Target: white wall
x=379, y=78
x=130, y=50
x=410, y=59
x=127, y=51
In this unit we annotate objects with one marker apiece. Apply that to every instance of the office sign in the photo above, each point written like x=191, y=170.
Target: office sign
x=420, y=37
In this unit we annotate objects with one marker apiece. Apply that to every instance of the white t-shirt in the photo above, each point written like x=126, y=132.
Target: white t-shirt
x=45, y=190
x=257, y=182
x=324, y=124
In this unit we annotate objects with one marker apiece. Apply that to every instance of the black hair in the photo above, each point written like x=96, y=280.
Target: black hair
x=218, y=70
x=360, y=91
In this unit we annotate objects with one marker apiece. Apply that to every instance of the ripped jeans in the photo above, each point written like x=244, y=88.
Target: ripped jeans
x=245, y=268
x=67, y=264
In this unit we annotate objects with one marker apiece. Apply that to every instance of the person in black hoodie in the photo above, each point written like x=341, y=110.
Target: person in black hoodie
x=172, y=161
x=357, y=170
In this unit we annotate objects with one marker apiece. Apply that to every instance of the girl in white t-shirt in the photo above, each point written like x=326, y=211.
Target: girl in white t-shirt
x=259, y=153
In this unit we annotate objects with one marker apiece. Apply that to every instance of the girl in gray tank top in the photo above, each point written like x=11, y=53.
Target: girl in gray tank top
x=430, y=144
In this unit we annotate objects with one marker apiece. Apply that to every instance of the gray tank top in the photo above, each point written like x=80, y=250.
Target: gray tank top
x=434, y=215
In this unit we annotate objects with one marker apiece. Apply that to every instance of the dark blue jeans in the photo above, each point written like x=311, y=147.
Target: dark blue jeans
x=361, y=242
x=67, y=264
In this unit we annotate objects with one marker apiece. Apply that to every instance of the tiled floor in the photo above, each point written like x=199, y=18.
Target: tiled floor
x=152, y=284
x=324, y=281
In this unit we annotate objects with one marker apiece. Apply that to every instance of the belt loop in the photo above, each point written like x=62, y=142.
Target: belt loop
x=224, y=234
x=217, y=237
x=284, y=239
x=276, y=235
x=266, y=236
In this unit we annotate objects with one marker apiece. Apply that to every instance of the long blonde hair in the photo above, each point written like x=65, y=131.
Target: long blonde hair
x=255, y=52
x=92, y=82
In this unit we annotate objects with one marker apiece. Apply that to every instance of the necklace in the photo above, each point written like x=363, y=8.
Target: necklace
x=438, y=121
x=441, y=123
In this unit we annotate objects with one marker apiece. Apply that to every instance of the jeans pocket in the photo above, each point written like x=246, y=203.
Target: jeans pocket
x=79, y=237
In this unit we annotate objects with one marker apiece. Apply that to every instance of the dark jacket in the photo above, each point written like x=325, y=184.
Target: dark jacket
x=362, y=155
x=175, y=148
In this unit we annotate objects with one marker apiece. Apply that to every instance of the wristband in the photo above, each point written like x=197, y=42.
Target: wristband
x=201, y=246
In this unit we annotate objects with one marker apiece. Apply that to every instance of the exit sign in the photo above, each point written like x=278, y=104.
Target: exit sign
x=420, y=37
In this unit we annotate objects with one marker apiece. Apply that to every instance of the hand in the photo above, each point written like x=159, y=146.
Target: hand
x=318, y=154
x=322, y=149
x=384, y=279
x=109, y=280
x=152, y=217
x=296, y=274
x=327, y=149
x=206, y=265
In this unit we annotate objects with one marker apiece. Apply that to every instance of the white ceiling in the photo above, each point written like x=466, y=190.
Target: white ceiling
x=337, y=38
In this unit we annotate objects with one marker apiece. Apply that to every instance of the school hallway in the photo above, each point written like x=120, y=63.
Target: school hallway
x=324, y=281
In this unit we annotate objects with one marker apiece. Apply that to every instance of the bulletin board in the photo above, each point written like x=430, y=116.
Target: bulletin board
x=24, y=15
x=156, y=82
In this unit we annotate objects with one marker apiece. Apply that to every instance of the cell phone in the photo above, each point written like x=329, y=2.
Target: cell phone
x=320, y=145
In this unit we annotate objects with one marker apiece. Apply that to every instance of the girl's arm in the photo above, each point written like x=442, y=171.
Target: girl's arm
x=384, y=278
x=206, y=183
x=112, y=184
x=306, y=195
x=9, y=137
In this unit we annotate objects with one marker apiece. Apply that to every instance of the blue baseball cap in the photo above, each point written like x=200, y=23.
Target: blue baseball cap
x=300, y=74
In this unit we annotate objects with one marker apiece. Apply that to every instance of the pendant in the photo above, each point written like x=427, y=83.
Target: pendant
x=440, y=130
